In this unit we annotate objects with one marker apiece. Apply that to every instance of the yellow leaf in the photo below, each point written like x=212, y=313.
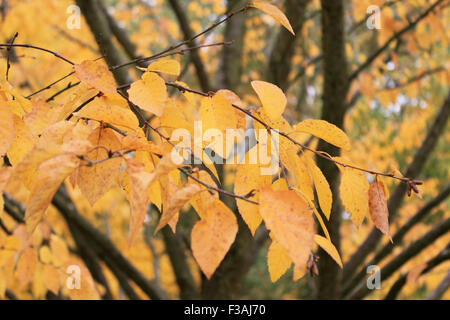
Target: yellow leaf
x=45, y=255
x=86, y=290
x=248, y=178
x=27, y=265
x=299, y=272
x=140, y=144
x=94, y=181
x=104, y=109
x=378, y=207
x=51, y=174
x=216, y=113
x=2, y=283
x=50, y=276
x=60, y=252
x=7, y=133
x=175, y=203
x=354, y=190
x=275, y=13
x=26, y=169
x=272, y=98
x=168, y=66
x=289, y=218
x=322, y=187
x=326, y=131
x=150, y=93
x=139, y=182
x=201, y=201
x=234, y=99
x=97, y=75
x=39, y=117
x=328, y=246
x=211, y=237
x=278, y=260
x=5, y=174
x=23, y=141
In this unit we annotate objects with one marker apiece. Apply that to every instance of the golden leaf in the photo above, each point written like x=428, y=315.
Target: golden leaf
x=97, y=75
x=326, y=131
x=278, y=260
x=329, y=247
x=211, y=237
x=150, y=93
x=168, y=66
x=354, y=190
x=289, y=218
x=104, y=109
x=322, y=187
x=7, y=132
x=51, y=174
x=272, y=98
x=275, y=13
x=94, y=181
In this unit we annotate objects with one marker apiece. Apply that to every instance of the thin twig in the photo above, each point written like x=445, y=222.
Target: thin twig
x=8, y=54
x=9, y=45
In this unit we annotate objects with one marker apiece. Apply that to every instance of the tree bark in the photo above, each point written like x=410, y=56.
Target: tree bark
x=333, y=110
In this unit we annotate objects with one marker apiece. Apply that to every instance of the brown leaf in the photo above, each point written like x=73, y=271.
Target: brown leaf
x=378, y=207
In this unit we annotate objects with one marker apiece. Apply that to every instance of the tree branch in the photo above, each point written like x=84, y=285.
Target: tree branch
x=398, y=236
x=411, y=251
x=444, y=255
x=183, y=22
x=60, y=201
x=395, y=36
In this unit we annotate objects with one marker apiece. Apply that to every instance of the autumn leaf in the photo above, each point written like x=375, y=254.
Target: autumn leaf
x=378, y=207
x=322, y=187
x=7, y=133
x=139, y=182
x=168, y=66
x=26, y=265
x=329, y=247
x=217, y=114
x=201, y=201
x=150, y=93
x=249, y=180
x=211, y=237
x=274, y=12
x=176, y=202
x=272, y=98
x=354, y=190
x=103, y=140
x=278, y=260
x=51, y=174
x=290, y=220
x=109, y=110
x=326, y=131
x=97, y=75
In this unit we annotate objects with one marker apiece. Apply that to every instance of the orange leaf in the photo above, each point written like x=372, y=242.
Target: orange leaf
x=94, y=181
x=150, y=93
x=176, y=202
x=289, y=218
x=211, y=237
x=97, y=75
x=51, y=174
x=139, y=182
x=378, y=207
x=7, y=133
